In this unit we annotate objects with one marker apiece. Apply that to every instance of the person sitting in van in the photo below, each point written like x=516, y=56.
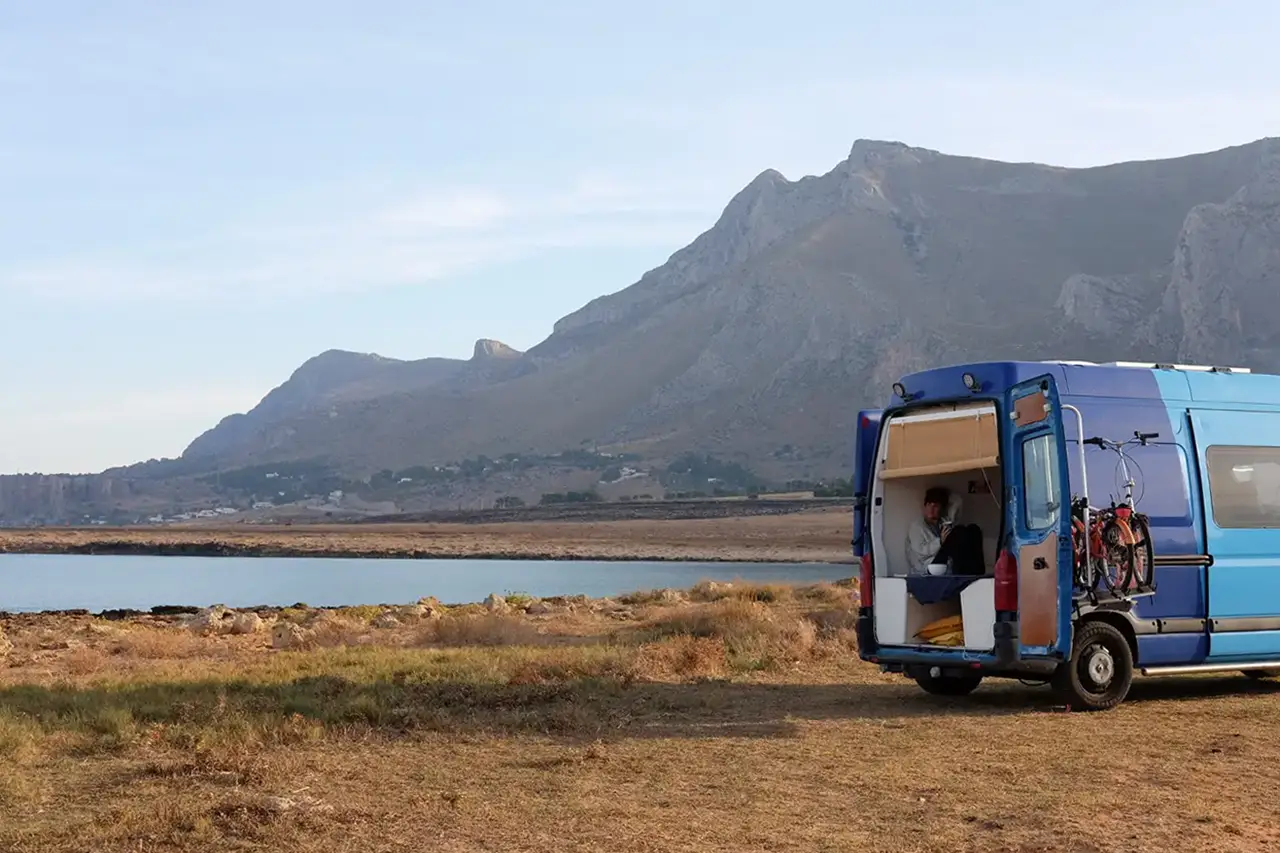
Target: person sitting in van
x=934, y=537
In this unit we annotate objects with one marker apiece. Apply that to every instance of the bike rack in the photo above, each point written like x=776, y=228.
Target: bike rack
x=1090, y=593
x=1084, y=471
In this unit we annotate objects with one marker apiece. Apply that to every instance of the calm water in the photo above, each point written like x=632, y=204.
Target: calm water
x=65, y=582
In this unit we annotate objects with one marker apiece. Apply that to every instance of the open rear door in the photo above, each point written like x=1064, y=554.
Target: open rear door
x=864, y=454
x=1038, y=516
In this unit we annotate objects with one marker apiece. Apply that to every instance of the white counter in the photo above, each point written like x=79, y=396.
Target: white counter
x=898, y=616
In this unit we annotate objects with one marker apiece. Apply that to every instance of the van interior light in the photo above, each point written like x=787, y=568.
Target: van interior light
x=970, y=381
x=900, y=390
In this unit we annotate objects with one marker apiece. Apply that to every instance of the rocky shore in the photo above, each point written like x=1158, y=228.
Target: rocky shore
x=221, y=620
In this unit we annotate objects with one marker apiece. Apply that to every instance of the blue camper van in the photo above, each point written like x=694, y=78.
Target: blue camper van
x=1128, y=517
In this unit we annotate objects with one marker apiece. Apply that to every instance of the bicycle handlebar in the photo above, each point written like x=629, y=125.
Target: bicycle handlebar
x=1080, y=505
x=1138, y=437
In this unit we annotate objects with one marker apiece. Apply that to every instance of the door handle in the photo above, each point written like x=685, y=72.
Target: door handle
x=1040, y=564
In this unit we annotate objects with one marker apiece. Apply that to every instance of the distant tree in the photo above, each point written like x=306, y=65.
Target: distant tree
x=477, y=467
x=834, y=489
x=694, y=468
x=418, y=474
x=571, y=497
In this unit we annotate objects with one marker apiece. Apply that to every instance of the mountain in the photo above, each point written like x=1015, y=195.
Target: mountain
x=807, y=298
x=760, y=340
x=334, y=382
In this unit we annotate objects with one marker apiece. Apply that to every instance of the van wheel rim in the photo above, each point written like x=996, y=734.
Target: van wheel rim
x=1099, y=666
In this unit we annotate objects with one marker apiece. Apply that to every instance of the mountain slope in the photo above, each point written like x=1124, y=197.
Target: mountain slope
x=335, y=381
x=807, y=298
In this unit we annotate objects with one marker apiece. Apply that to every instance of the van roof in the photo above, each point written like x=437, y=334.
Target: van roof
x=1122, y=379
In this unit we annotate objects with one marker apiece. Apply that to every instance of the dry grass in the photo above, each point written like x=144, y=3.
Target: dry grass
x=475, y=629
x=652, y=596
x=158, y=643
x=723, y=725
x=752, y=635
x=332, y=630
x=365, y=613
x=685, y=656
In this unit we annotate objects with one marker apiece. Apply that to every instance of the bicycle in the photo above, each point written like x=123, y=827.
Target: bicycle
x=1116, y=550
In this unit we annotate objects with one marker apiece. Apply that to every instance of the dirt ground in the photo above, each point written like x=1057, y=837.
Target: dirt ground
x=821, y=535
x=719, y=719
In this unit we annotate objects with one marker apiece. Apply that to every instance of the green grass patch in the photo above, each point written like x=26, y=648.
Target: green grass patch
x=299, y=697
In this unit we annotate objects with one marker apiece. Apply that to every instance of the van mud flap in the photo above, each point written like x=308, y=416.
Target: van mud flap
x=863, y=630
x=1007, y=642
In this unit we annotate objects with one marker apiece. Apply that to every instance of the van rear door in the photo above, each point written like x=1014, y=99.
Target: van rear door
x=1037, y=518
x=864, y=453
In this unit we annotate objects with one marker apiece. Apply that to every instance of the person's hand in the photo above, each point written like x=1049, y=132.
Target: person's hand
x=946, y=531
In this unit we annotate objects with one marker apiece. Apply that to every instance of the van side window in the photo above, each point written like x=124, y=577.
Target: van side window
x=1244, y=486
x=1040, y=488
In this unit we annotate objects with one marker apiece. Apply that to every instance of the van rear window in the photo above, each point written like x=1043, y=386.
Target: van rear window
x=1040, y=483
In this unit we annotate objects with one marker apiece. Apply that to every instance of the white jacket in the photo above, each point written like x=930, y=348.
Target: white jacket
x=923, y=541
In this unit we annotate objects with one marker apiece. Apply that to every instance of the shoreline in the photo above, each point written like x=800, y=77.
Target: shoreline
x=809, y=536
x=515, y=604
x=214, y=549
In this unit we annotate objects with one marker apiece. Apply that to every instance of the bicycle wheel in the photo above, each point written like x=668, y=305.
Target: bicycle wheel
x=1114, y=575
x=1143, y=557
x=1098, y=571
x=1079, y=557
x=1119, y=561
x=1080, y=575
x=1095, y=555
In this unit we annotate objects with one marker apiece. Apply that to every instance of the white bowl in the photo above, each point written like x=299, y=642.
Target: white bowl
x=937, y=568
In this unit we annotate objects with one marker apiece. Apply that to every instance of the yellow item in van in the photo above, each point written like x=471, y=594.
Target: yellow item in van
x=954, y=638
x=939, y=627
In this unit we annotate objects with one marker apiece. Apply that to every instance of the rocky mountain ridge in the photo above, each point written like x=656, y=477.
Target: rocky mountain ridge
x=761, y=339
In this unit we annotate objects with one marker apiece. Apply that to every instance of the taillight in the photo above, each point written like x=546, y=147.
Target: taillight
x=866, y=581
x=1006, y=582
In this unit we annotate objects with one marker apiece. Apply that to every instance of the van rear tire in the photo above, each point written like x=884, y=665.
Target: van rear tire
x=948, y=685
x=1099, y=673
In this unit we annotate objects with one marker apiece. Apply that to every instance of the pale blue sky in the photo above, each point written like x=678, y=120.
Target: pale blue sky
x=195, y=198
